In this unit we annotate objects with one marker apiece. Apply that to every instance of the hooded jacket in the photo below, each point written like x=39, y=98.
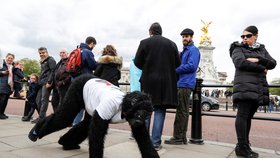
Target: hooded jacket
x=250, y=82
x=109, y=68
x=88, y=62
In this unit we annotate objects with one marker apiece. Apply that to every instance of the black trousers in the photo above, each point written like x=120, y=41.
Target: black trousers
x=65, y=114
x=245, y=113
x=3, y=102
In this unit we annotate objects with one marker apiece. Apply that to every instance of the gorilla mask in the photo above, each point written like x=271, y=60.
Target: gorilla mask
x=136, y=108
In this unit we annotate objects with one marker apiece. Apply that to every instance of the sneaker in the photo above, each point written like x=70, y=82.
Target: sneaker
x=174, y=141
x=131, y=137
x=71, y=147
x=157, y=147
x=32, y=135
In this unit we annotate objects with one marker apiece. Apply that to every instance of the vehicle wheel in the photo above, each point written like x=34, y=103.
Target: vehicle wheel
x=205, y=106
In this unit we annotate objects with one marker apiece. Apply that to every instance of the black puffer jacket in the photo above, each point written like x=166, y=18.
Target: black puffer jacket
x=108, y=68
x=250, y=82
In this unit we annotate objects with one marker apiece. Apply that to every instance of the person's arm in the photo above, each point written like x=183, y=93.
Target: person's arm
x=88, y=58
x=139, y=57
x=98, y=70
x=190, y=63
x=52, y=66
x=98, y=130
x=240, y=62
x=268, y=61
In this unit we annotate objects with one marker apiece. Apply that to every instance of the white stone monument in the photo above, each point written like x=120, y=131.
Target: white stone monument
x=207, y=70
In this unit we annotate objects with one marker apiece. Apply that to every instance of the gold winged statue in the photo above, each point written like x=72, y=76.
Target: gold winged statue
x=205, y=39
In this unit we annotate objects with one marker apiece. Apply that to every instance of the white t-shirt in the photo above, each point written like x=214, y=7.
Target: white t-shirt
x=105, y=98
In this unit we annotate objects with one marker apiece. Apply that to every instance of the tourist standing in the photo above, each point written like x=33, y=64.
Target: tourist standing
x=250, y=89
x=190, y=57
x=88, y=65
x=158, y=59
x=109, y=65
x=45, y=82
x=6, y=83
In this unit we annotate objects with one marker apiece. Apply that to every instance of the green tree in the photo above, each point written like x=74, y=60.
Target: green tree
x=31, y=66
x=275, y=91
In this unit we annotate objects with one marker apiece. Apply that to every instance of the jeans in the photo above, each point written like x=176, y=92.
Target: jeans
x=79, y=117
x=159, y=117
x=42, y=100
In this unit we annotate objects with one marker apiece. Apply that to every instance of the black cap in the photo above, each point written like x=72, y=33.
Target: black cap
x=252, y=29
x=187, y=32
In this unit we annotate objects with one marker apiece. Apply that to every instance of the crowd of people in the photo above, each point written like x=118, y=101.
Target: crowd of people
x=158, y=69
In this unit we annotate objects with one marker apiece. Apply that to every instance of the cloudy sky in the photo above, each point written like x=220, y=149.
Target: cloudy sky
x=27, y=25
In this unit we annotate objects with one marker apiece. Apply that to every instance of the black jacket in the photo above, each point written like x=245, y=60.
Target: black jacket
x=158, y=59
x=250, y=82
x=18, y=75
x=47, y=71
x=108, y=68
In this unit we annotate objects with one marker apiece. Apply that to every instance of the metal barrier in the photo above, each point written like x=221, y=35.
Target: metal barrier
x=196, y=130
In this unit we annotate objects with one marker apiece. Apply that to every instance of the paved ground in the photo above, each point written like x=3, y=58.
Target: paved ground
x=15, y=144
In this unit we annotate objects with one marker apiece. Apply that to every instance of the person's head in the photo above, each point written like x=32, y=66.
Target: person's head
x=43, y=52
x=109, y=50
x=33, y=78
x=10, y=58
x=136, y=108
x=91, y=42
x=250, y=35
x=155, y=29
x=187, y=36
x=19, y=64
x=63, y=53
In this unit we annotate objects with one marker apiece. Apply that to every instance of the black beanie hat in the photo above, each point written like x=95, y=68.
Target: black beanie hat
x=187, y=31
x=253, y=29
x=155, y=28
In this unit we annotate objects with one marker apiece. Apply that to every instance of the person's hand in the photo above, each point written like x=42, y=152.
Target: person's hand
x=265, y=71
x=48, y=85
x=5, y=72
x=253, y=60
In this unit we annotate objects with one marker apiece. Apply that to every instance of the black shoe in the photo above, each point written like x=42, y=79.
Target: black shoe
x=6, y=116
x=174, y=141
x=25, y=119
x=32, y=136
x=71, y=147
x=243, y=149
x=2, y=117
x=35, y=121
x=158, y=147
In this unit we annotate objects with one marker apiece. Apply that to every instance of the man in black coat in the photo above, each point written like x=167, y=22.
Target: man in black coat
x=158, y=59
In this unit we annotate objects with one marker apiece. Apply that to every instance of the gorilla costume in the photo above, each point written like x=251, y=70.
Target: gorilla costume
x=104, y=103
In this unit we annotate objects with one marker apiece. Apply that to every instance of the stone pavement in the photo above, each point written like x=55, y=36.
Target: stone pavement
x=15, y=144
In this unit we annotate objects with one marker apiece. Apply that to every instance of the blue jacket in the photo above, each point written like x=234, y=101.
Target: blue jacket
x=88, y=62
x=190, y=57
x=32, y=92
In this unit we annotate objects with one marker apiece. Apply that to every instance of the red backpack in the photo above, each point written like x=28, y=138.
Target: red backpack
x=74, y=63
